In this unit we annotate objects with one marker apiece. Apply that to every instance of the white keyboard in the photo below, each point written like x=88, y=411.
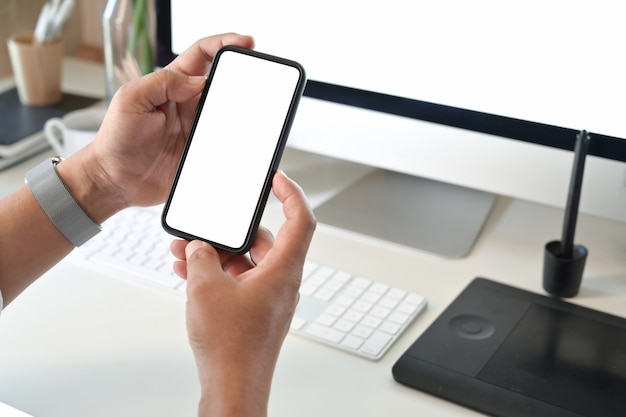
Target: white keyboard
x=134, y=241
x=353, y=313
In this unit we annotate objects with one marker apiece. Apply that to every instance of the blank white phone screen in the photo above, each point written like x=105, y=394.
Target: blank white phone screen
x=231, y=151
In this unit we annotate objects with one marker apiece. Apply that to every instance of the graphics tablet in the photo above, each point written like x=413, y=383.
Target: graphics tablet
x=509, y=352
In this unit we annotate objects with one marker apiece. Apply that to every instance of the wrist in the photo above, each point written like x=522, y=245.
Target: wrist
x=234, y=390
x=98, y=196
x=59, y=204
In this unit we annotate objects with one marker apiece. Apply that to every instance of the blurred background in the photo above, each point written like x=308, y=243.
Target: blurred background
x=83, y=31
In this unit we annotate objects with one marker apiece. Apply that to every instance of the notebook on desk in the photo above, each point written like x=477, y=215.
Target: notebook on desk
x=21, y=126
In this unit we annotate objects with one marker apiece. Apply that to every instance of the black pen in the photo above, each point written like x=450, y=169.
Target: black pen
x=573, y=197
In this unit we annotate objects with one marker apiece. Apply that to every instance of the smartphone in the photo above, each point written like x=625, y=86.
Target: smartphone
x=234, y=147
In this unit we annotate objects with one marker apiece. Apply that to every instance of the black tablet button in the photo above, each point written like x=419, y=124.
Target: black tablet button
x=472, y=327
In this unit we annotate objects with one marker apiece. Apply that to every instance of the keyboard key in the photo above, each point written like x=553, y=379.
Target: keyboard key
x=326, y=333
x=324, y=294
x=371, y=321
x=376, y=343
x=344, y=325
x=380, y=312
x=335, y=310
x=297, y=322
x=379, y=288
x=361, y=282
x=353, y=315
x=391, y=328
x=398, y=318
x=326, y=320
x=352, y=342
x=388, y=302
x=397, y=293
x=406, y=308
x=362, y=331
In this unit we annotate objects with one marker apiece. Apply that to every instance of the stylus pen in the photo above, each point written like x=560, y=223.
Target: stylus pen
x=573, y=197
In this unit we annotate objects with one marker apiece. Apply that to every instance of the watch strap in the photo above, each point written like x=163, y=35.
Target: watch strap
x=59, y=203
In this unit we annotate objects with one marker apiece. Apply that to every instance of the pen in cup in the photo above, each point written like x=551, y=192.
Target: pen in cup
x=52, y=17
x=573, y=198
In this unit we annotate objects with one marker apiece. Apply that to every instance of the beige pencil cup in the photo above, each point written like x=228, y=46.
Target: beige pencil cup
x=36, y=68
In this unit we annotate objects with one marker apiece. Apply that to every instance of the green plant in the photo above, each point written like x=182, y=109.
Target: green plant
x=140, y=45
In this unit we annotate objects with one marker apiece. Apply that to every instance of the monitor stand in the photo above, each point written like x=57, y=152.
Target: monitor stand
x=428, y=215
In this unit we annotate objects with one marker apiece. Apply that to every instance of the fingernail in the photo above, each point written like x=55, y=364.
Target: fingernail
x=193, y=246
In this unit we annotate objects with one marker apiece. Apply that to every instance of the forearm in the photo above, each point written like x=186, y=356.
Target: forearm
x=30, y=243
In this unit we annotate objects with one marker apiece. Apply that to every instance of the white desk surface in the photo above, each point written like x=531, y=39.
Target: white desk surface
x=88, y=342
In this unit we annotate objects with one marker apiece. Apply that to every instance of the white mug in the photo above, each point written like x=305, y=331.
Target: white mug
x=73, y=131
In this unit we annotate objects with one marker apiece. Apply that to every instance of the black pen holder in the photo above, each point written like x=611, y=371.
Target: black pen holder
x=562, y=276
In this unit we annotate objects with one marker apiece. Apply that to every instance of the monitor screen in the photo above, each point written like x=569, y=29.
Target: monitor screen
x=555, y=63
x=391, y=83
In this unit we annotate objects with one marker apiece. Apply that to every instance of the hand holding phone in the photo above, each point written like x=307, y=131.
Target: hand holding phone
x=234, y=147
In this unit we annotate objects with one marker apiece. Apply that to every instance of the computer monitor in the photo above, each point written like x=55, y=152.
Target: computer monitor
x=484, y=97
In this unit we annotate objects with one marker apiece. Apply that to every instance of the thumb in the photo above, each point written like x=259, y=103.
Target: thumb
x=201, y=258
x=168, y=85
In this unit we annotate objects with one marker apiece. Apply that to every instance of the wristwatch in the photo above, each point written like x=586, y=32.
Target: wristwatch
x=59, y=204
